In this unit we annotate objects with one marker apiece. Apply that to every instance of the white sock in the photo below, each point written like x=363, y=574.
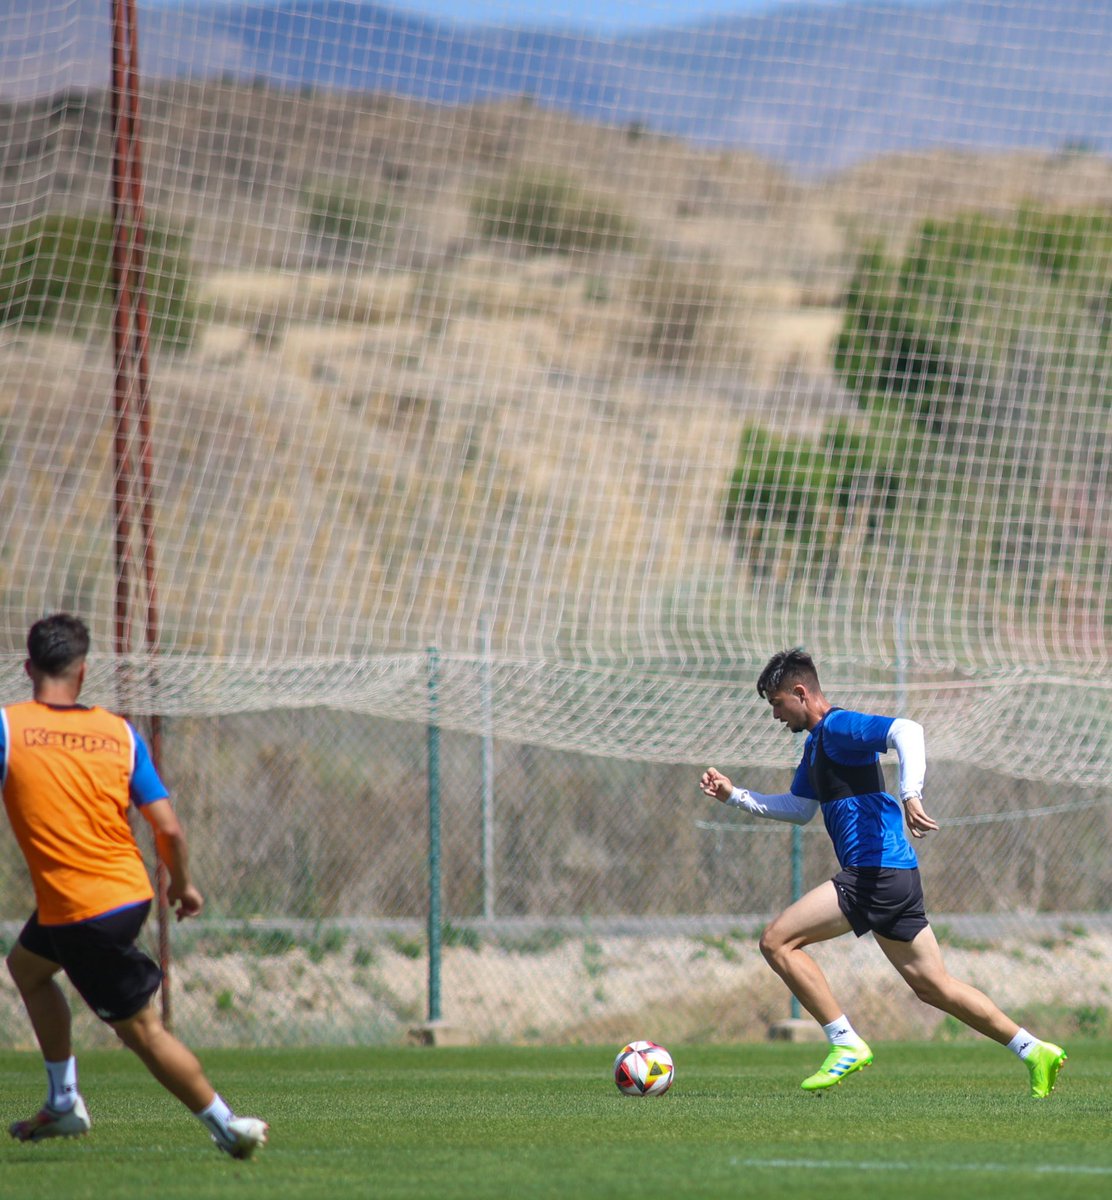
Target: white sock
x=1023, y=1043
x=61, y=1094
x=841, y=1033
x=215, y=1118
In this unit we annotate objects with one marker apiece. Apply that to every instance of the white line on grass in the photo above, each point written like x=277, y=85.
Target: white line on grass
x=826, y=1164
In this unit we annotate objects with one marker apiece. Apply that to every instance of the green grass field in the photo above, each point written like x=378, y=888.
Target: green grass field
x=926, y=1120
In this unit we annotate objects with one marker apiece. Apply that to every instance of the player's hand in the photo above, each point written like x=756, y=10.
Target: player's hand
x=715, y=784
x=186, y=901
x=918, y=823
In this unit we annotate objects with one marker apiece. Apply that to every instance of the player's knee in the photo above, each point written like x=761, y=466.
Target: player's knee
x=139, y=1031
x=125, y=1032
x=927, y=988
x=771, y=944
x=22, y=976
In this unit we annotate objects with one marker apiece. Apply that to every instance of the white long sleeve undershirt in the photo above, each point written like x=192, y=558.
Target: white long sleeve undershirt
x=785, y=806
x=905, y=737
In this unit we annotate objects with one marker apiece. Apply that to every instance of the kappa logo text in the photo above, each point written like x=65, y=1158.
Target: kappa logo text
x=88, y=742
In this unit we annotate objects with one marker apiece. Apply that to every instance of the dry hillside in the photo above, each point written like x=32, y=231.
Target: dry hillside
x=413, y=384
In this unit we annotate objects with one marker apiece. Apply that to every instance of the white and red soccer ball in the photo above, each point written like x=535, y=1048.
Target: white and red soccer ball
x=643, y=1069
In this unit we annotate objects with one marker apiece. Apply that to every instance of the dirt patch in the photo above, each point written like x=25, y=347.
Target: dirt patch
x=598, y=990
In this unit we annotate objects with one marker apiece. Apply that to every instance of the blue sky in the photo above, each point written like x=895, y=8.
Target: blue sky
x=594, y=14
x=597, y=15
x=604, y=13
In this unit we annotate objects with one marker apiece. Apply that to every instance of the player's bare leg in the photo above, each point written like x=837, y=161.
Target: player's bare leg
x=45, y=1002
x=49, y=1014
x=179, y=1071
x=815, y=917
x=920, y=963
x=171, y=1062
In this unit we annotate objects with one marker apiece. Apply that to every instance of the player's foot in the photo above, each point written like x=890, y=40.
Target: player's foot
x=840, y=1062
x=47, y=1123
x=245, y=1136
x=1044, y=1062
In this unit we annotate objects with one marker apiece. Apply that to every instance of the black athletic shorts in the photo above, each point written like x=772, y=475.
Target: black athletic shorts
x=108, y=970
x=886, y=900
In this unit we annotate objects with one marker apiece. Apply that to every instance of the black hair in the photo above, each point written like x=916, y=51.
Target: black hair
x=787, y=667
x=56, y=642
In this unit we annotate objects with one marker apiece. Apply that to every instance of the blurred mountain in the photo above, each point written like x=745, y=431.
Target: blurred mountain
x=812, y=85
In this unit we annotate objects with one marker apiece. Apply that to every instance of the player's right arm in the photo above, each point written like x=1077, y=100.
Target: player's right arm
x=715, y=784
x=785, y=806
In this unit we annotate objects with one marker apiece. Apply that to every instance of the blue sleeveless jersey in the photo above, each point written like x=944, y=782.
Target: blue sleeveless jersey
x=867, y=829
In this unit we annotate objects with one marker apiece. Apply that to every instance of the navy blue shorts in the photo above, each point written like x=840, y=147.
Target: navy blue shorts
x=107, y=969
x=884, y=900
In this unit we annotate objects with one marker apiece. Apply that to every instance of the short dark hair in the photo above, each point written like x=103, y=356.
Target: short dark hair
x=786, y=667
x=56, y=642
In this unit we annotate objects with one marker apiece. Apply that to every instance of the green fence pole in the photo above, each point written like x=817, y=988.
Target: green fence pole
x=434, y=931
x=487, y=814
x=797, y=891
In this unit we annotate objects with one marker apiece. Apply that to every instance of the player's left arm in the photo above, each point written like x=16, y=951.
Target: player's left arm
x=907, y=739
x=150, y=796
x=173, y=852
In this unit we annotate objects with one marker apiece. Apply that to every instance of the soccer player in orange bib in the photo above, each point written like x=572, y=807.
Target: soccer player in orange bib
x=69, y=775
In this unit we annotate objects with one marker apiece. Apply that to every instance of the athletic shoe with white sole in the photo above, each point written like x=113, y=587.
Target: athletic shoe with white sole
x=245, y=1136
x=840, y=1062
x=1044, y=1062
x=47, y=1123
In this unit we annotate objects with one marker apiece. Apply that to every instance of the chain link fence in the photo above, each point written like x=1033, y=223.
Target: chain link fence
x=582, y=897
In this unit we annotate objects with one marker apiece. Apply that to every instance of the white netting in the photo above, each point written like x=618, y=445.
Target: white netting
x=643, y=407
x=546, y=377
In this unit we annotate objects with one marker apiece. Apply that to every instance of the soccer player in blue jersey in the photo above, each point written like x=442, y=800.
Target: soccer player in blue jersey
x=877, y=888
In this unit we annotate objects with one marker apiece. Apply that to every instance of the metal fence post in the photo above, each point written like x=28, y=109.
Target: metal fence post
x=434, y=927
x=487, y=817
x=797, y=891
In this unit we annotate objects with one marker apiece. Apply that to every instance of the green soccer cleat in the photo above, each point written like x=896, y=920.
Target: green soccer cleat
x=1044, y=1062
x=840, y=1062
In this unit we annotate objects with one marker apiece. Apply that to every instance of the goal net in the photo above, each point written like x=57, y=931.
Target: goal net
x=538, y=375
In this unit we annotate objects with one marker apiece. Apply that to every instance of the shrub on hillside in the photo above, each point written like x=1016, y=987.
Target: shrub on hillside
x=544, y=213
x=792, y=501
x=56, y=271
x=687, y=314
x=346, y=225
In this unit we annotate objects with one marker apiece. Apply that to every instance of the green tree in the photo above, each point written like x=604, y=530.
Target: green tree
x=794, y=502
x=987, y=343
x=978, y=307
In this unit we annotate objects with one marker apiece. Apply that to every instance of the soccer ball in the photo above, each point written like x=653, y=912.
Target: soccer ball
x=643, y=1069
